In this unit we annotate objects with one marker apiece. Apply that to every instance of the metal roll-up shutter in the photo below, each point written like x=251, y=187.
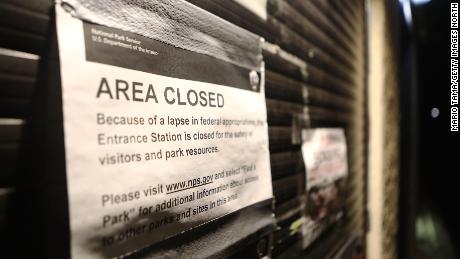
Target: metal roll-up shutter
x=315, y=77
x=23, y=26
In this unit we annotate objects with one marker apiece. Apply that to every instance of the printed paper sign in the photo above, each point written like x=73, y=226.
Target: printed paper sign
x=158, y=139
x=325, y=155
x=324, y=152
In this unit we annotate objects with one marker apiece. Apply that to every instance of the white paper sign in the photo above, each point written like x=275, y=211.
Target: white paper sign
x=149, y=156
x=324, y=152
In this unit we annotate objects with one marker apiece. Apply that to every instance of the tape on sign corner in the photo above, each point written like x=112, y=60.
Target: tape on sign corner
x=170, y=22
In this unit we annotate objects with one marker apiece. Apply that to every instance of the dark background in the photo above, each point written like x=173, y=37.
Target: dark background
x=425, y=84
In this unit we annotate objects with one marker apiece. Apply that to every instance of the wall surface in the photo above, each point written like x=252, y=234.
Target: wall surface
x=383, y=157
